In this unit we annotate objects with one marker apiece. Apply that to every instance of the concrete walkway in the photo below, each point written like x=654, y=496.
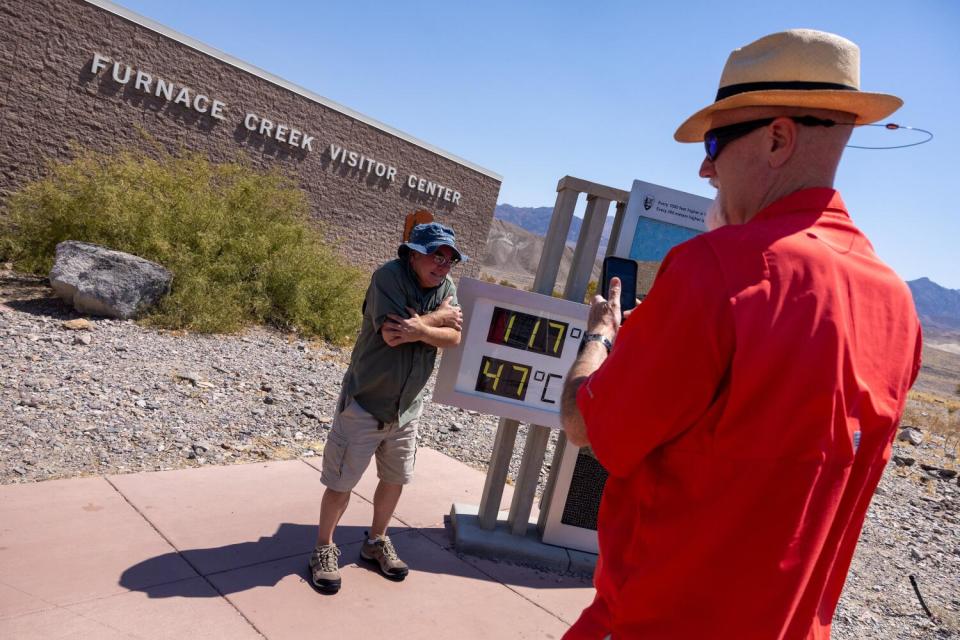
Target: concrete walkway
x=221, y=552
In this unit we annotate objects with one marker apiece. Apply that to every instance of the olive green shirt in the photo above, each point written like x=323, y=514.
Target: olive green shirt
x=388, y=381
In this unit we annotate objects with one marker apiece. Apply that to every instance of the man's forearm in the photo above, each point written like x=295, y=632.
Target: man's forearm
x=432, y=320
x=440, y=337
x=443, y=318
x=589, y=360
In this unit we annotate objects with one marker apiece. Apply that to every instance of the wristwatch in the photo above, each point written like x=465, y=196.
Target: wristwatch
x=596, y=337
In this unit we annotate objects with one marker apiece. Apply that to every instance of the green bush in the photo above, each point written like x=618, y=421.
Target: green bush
x=591, y=291
x=238, y=242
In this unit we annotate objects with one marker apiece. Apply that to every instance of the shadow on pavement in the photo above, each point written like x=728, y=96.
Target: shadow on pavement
x=269, y=559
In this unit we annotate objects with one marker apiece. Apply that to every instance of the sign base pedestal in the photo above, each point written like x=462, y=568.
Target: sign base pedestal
x=500, y=545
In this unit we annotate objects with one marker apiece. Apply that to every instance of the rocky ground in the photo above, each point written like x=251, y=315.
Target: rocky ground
x=97, y=396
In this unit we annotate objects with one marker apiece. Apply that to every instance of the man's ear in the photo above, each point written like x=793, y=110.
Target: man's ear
x=781, y=141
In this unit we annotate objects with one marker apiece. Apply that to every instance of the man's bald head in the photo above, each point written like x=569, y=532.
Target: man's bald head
x=774, y=160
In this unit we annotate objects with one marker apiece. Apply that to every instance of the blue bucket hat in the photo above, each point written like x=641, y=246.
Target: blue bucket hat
x=427, y=238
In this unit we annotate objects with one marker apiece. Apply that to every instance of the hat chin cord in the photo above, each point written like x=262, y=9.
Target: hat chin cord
x=892, y=126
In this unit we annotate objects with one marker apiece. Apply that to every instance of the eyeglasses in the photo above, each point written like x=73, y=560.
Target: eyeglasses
x=440, y=260
x=716, y=139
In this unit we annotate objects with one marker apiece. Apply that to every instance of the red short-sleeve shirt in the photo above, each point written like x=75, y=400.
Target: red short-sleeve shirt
x=745, y=416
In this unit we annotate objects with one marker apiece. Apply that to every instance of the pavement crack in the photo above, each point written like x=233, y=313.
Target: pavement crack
x=184, y=558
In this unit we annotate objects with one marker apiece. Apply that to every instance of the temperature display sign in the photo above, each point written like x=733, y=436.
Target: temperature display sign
x=514, y=353
x=527, y=332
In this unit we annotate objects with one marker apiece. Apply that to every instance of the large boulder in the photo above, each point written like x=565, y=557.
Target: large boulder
x=103, y=282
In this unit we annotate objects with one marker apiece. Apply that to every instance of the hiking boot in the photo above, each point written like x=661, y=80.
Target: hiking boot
x=324, y=570
x=383, y=553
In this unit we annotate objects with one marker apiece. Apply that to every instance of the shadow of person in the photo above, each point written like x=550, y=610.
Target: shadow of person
x=261, y=559
x=266, y=561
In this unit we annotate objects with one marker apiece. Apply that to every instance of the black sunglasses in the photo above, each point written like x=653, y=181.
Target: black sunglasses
x=716, y=139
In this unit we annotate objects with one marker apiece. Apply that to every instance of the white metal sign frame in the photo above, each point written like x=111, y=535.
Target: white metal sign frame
x=516, y=350
x=663, y=204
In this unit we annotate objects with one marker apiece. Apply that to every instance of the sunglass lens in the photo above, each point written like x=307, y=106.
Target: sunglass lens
x=710, y=144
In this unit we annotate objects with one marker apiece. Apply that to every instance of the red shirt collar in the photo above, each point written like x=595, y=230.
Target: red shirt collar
x=806, y=200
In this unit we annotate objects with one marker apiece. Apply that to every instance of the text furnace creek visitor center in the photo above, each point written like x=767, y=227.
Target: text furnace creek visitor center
x=90, y=74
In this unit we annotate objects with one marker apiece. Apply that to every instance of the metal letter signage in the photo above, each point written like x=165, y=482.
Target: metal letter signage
x=281, y=132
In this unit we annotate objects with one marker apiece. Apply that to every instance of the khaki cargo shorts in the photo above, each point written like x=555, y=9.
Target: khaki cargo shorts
x=356, y=436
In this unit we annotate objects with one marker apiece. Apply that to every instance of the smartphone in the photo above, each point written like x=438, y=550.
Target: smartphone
x=626, y=270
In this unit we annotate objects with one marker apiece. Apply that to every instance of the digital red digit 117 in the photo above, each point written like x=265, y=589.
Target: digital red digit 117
x=527, y=332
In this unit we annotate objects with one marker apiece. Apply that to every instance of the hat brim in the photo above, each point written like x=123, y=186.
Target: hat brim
x=428, y=249
x=868, y=107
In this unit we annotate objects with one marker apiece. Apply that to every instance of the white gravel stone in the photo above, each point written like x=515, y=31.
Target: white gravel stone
x=911, y=435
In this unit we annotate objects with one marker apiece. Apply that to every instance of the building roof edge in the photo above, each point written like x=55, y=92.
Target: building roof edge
x=146, y=22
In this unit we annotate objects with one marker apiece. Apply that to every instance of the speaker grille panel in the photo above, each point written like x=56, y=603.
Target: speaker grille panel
x=586, y=486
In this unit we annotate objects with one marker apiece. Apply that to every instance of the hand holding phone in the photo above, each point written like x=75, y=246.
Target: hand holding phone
x=603, y=321
x=626, y=270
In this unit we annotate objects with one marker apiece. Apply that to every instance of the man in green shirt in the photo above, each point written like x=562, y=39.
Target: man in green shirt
x=409, y=311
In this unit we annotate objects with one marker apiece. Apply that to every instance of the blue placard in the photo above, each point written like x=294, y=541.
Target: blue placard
x=653, y=239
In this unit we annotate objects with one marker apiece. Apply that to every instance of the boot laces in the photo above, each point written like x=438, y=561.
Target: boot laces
x=327, y=555
x=388, y=549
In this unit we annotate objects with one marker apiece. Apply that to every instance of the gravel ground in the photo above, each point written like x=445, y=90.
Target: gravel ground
x=115, y=397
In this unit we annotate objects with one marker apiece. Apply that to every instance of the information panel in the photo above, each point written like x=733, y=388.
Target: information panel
x=514, y=353
x=656, y=220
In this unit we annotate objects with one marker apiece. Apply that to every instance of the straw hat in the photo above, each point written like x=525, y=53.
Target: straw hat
x=796, y=68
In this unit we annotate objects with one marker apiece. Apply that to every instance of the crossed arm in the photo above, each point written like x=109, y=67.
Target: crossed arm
x=439, y=328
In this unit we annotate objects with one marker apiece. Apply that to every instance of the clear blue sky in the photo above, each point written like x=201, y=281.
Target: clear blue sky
x=536, y=91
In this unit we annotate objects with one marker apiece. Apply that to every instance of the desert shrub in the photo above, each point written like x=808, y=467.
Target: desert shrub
x=591, y=291
x=507, y=283
x=238, y=241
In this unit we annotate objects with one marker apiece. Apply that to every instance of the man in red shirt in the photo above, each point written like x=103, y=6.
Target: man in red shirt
x=746, y=410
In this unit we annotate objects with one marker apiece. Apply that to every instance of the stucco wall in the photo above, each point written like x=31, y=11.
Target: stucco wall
x=50, y=99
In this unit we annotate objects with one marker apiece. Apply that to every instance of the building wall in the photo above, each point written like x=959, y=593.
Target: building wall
x=52, y=103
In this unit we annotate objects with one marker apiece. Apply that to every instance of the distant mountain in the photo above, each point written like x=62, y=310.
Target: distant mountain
x=536, y=220
x=513, y=254
x=938, y=307
x=533, y=219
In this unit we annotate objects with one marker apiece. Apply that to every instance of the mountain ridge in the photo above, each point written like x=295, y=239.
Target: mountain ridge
x=937, y=306
x=513, y=255
x=536, y=220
